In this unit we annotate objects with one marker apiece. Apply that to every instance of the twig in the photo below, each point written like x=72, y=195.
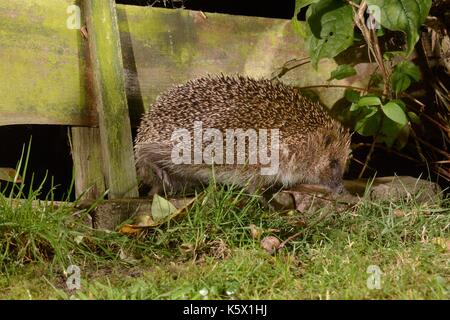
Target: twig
x=338, y=86
x=429, y=145
x=362, y=163
x=419, y=149
x=386, y=149
x=369, y=155
x=296, y=235
x=422, y=106
x=353, y=4
x=286, y=68
x=372, y=42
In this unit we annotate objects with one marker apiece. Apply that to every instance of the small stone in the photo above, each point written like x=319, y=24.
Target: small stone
x=270, y=244
x=405, y=188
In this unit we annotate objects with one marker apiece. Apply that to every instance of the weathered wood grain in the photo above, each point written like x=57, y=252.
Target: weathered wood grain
x=43, y=70
x=42, y=73
x=110, y=98
x=87, y=162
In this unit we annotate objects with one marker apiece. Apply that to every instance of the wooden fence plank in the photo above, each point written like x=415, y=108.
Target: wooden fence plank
x=43, y=69
x=42, y=73
x=88, y=164
x=110, y=98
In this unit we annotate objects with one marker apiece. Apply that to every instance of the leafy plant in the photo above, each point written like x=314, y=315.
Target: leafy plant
x=332, y=26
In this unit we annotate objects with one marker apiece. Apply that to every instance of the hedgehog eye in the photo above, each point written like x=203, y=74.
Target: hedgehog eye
x=334, y=163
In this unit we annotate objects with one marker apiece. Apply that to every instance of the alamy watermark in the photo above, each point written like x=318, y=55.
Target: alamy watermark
x=234, y=146
x=73, y=281
x=373, y=21
x=374, y=280
x=74, y=19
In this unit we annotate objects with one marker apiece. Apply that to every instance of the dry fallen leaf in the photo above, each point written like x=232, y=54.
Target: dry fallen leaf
x=78, y=239
x=399, y=213
x=270, y=244
x=10, y=175
x=161, y=208
x=130, y=229
x=255, y=232
x=145, y=221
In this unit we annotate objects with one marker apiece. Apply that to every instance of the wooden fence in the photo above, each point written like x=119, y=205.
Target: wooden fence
x=100, y=78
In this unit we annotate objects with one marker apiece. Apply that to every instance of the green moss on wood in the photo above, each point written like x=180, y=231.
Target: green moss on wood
x=42, y=74
x=44, y=79
x=110, y=97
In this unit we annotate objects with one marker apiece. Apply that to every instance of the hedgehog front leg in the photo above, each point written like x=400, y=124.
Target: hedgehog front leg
x=163, y=183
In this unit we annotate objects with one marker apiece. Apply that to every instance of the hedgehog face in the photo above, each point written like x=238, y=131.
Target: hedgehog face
x=328, y=171
x=329, y=155
x=332, y=176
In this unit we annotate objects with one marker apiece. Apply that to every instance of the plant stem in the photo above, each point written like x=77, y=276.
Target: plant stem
x=372, y=42
x=338, y=86
x=366, y=163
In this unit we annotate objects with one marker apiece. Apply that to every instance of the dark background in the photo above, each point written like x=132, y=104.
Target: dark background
x=271, y=9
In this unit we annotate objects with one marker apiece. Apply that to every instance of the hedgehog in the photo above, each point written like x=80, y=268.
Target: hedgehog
x=253, y=133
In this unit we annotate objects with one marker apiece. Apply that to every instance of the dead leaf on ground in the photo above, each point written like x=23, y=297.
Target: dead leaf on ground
x=162, y=211
x=10, y=175
x=255, y=232
x=270, y=244
x=130, y=230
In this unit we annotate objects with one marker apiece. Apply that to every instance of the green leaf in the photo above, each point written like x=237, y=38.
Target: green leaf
x=342, y=71
x=299, y=4
x=161, y=208
x=380, y=32
x=400, y=82
x=388, y=55
x=389, y=131
x=402, y=137
x=394, y=112
x=330, y=29
x=400, y=103
x=369, y=101
x=299, y=26
x=408, y=68
x=413, y=117
x=369, y=125
x=351, y=95
x=403, y=73
x=403, y=15
x=354, y=107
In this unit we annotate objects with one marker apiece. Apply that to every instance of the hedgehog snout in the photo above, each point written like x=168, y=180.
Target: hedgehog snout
x=333, y=177
x=337, y=187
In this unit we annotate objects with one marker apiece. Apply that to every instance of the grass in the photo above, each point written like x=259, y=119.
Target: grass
x=210, y=253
